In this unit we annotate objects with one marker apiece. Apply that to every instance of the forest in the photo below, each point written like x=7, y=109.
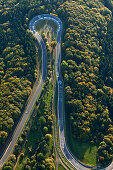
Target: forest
x=87, y=66
x=88, y=74
x=17, y=67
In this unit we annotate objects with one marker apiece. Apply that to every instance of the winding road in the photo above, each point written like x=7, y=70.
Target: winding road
x=76, y=164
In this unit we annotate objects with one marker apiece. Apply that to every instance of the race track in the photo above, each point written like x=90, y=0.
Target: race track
x=31, y=104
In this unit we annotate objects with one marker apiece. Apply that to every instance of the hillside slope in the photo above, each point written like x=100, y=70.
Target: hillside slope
x=89, y=97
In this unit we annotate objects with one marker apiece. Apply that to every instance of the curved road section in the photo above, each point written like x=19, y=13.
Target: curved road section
x=77, y=165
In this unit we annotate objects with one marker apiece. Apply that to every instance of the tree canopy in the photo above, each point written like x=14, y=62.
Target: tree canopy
x=87, y=72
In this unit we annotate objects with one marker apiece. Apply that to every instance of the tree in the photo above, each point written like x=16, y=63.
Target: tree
x=49, y=164
x=40, y=157
x=53, y=44
x=45, y=129
x=42, y=121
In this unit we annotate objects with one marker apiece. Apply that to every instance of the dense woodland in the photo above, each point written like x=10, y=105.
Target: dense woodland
x=87, y=66
x=17, y=67
x=17, y=76
x=87, y=70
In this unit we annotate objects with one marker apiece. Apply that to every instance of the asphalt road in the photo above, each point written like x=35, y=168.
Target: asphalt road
x=29, y=107
x=76, y=164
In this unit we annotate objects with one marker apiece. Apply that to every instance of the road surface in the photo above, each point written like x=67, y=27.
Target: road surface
x=29, y=107
x=63, y=146
x=76, y=164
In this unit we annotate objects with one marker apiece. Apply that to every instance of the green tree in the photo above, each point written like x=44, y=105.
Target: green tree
x=53, y=44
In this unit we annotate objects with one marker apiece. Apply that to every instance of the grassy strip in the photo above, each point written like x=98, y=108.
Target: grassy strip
x=85, y=152
x=42, y=23
x=56, y=132
x=60, y=167
x=61, y=155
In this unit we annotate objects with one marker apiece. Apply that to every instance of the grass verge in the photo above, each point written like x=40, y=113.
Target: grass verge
x=43, y=23
x=83, y=151
x=60, y=167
